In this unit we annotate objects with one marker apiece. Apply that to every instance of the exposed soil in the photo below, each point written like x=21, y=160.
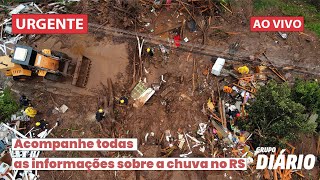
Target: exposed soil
x=107, y=59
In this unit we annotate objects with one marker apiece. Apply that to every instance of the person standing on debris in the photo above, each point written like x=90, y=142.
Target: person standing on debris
x=236, y=119
x=150, y=51
x=232, y=111
x=42, y=124
x=100, y=115
x=24, y=101
x=123, y=100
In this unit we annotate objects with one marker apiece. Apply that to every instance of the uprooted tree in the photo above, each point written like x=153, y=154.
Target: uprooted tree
x=274, y=117
x=8, y=105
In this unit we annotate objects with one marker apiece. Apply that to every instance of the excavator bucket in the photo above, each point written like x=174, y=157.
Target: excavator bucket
x=81, y=73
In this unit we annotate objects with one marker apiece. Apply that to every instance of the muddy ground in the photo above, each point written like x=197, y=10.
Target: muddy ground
x=180, y=108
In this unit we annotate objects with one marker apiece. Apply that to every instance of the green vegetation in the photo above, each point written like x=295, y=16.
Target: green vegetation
x=8, y=105
x=261, y=5
x=307, y=9
x=308, y=94
x=274, y=116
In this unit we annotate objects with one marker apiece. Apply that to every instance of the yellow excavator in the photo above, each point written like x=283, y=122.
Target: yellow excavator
x=26, y=63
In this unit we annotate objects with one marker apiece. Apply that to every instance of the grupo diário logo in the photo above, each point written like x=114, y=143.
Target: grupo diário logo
x=267, y=158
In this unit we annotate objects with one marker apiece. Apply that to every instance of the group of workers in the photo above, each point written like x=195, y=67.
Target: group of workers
x=42, y=124
x=31, y=112
x=123, y=101
x=101, y=114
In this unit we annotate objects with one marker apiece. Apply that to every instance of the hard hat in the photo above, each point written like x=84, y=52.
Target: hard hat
x=122, y=101
x=243, y=70
x=148, y=49
x=31, y=112
x=100, y=110
x=38, y=123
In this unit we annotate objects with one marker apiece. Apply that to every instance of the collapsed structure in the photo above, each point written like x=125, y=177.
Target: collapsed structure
x=9, y=132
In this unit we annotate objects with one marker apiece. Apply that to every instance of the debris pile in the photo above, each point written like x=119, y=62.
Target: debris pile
x=124, y=13
x=218, y=136
x=19, y=125
x=9, y=132
x=7, y=38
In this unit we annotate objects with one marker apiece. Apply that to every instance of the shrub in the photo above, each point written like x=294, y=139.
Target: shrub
x=8, y=105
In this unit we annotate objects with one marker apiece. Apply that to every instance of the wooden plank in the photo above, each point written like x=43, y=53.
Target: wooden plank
x=193, y=76
x=266, y=174
x=318, y=145
x=223, y=115
x=215, y=116
x=274, y=70
x=275, y=175
x=251, y=91
x=300, y=174
x=220, y=129
x=287, y=172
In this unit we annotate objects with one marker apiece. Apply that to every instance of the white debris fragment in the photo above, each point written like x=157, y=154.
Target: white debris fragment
x=182, y=141
x=140, y=153
x=202, y=149
x=8, y=29
x=217, y=67
x=202, y=129
x=4, y=167
x=185, y=155
x=168, y=135
x=146, y=137
x=162, y=79
x=194, y=139
x=63, y=108
x=18, y=9
x=145, y=70
x=283, y=35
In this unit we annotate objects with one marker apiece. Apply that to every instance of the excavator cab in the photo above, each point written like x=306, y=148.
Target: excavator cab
x=24, y=55
x=29, y=62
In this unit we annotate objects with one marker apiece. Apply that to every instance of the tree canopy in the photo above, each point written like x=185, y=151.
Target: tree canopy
x=308, y=94
x=275, y=117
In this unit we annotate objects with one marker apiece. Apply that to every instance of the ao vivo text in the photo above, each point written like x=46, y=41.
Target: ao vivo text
x=50, y=24
x=294, y=24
